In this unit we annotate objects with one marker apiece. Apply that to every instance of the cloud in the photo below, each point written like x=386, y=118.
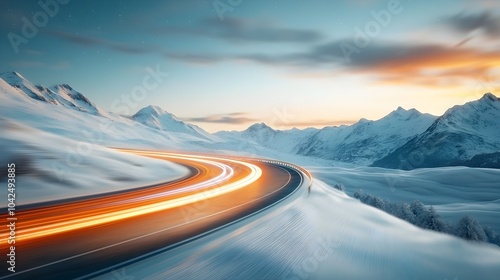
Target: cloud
x=244, y=30
x=465, y=23
x=388, y=62
x=194, y=58
x=321, y=123
x=94, y=41
x=231, y=118
x=37, y=64
x=422, y=64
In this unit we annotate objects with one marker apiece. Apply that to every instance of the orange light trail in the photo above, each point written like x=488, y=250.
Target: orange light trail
x=225, y=182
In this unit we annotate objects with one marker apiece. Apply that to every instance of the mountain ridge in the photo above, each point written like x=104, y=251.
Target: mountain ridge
x=463, y=135
x=455, y=138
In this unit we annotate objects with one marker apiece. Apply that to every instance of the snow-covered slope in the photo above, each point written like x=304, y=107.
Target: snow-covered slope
x=453, y=191
x=321, y=235
x=157, y=118
x=52, y=167
x=366, y=140
x=465, y=131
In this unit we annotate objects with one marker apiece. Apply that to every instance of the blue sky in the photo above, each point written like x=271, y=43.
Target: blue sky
x=286, y=63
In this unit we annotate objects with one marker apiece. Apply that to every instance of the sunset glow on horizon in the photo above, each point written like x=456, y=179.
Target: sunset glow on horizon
x=286, y=63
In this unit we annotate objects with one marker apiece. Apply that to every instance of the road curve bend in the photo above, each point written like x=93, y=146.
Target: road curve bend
x=87, y=236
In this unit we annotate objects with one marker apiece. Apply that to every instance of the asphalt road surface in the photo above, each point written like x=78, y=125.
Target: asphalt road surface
x=76, y=237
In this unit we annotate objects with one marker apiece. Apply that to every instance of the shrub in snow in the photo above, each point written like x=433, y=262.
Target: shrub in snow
x=339, y=187
x=491, y=235
x=427, y=218
x=358, y=194
x=418, y=208
x=403, y=211
x=433, y=221
x=470, y=229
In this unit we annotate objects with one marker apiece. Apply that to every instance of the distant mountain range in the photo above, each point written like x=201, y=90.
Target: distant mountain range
x=466, y=134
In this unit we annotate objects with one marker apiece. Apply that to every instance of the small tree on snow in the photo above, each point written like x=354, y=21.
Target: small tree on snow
x=339, y=187
x=491, y=235
x=378, y=203
x=433, y=221
x=421, y=213
x=403, y=211
x=358, y=194
x=470, y=229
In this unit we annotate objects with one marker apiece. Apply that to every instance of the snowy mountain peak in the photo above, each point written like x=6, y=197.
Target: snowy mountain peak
x=462, y=133
x=488, y=102
x=258, y=127
x=489, y=97
x=22, y=85
x=75, y=97
x=152, y=110
x=13, y=78
x=401, y=113
x=65, y=86
x=157, y=118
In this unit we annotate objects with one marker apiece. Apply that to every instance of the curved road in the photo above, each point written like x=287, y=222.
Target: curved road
x=85, y=236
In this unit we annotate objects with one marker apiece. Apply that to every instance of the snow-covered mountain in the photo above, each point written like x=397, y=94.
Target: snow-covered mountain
x=366, y=140
x=157, y=118
x=360, y=143
x=63, y=111
x=61, y=95
x=262, y=135
x=465, y=135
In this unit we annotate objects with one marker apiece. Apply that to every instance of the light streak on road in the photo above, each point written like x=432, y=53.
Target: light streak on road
x=224, y=183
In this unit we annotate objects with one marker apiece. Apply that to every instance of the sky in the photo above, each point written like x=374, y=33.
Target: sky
x=226, y=64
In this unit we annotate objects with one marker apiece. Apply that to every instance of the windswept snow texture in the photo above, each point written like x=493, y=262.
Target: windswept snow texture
x=453, y=191
x=50, y=167
x=324, y=235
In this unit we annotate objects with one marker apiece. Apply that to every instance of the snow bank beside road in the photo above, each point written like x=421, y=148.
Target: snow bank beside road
x=324, y=235
x=50, y=167
x=453, y=191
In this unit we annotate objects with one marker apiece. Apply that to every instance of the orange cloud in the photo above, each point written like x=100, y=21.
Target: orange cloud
x=435, y=68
